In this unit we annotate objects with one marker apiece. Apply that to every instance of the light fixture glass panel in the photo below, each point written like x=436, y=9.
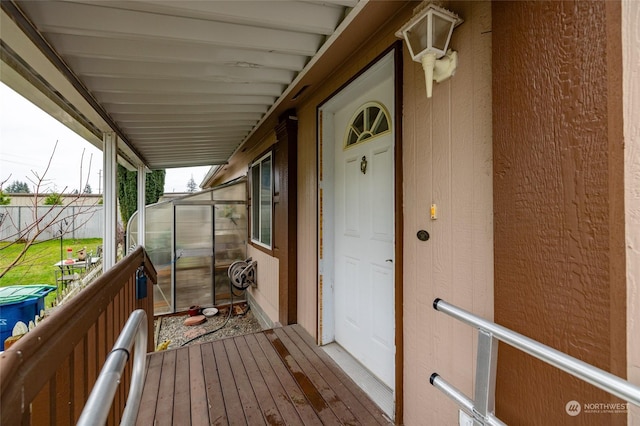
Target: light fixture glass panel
x=417, y=36
x=441, y=30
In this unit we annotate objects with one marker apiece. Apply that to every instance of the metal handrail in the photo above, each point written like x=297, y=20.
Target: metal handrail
x=487, y=362
x=97, y=408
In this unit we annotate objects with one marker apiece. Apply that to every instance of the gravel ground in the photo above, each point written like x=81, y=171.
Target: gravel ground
x=172, y=328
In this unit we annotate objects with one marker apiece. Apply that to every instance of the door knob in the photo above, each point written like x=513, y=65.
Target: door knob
x=389, y=260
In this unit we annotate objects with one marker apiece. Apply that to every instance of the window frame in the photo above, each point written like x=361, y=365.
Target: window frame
x=257, y=163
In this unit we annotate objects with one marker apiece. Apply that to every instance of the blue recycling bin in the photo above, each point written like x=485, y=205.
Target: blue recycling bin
x=20, y=303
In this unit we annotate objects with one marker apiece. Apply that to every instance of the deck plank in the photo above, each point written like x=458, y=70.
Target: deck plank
x=336, y=405
x=247, y=397
x=164, y=409
x=232, y=402
x=339, y=378
x=147, y=411
x=308, y=413
x=312, y=393
x=181, y=393
x=279, y=395
x=217, y=409
x=265, y=399
x=274, y=377
x=199, y=406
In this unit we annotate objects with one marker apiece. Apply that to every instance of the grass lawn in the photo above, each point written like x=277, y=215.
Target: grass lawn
x=37, y=267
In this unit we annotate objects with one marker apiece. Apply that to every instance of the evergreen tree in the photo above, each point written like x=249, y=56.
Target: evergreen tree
x=18, y=187
x=128, y=190
x=191, y=185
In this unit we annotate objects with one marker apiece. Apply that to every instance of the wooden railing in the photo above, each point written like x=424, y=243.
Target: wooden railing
x=46, y=377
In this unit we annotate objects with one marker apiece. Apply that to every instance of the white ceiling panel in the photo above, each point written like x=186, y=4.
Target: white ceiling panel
x=85, y=20
x=184, y=109
x=182, y=82
x=173, y=51
x=145, y=142
x=98, y=67
x=187, y=125
x=146, y=134
x=179, y=99
x=175, y=85
x=290, y=16
x=179, y=117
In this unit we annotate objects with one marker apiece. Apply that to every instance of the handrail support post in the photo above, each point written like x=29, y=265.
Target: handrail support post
x=489, y=335
x=485, y=388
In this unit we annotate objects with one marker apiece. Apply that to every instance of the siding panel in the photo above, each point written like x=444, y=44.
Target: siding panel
x=266, y=292
x=559, y=220
x=447, y=161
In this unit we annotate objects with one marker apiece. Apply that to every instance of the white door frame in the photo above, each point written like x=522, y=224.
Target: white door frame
x=369, y=79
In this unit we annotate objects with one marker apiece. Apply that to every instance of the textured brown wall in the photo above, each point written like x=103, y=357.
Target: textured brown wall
x=558, y=201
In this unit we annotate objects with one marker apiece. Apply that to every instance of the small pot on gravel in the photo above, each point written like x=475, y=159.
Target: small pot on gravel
x=194, y=310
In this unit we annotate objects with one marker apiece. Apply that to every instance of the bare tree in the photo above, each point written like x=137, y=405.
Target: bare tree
x=53, y=218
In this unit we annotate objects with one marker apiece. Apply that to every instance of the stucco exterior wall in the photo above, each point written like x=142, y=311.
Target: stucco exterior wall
x=558, y=187
x=631, y=100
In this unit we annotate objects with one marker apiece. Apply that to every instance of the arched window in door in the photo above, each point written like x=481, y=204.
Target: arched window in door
x=370, y=120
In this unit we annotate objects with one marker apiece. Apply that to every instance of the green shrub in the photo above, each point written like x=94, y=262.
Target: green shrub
x=4, y=199
x=53, y=199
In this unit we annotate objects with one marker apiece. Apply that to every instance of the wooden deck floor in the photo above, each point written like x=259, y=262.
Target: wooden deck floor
x=275, y=377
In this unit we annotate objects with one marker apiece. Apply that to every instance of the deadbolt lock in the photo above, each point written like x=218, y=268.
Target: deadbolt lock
x=423, y=235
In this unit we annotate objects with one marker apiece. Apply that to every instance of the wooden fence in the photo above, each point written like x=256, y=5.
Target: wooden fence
x=46, y=377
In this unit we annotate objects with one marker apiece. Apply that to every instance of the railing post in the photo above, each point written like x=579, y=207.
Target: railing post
x=109, y=198
x=141, y=205
x=486, y=364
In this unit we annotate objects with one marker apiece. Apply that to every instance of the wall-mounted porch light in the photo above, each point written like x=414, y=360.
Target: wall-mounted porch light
x=427, y=35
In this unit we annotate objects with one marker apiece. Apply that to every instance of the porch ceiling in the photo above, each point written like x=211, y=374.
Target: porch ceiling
x=182, y=82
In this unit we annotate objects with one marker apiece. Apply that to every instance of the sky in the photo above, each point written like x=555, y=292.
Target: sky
x=27, y=139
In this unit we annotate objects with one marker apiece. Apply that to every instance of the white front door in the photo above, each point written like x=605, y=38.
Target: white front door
x=363, y=191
